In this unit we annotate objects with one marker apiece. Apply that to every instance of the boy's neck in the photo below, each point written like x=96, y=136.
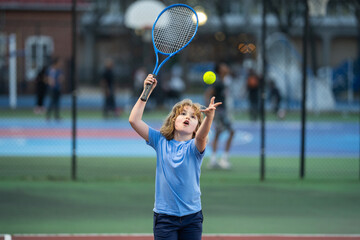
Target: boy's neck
x=182, y=137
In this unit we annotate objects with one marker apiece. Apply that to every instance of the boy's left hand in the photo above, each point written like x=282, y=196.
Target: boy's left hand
x=210, y=110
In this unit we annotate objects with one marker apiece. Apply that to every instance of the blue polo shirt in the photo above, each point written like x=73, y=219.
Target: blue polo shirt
x=177, y=182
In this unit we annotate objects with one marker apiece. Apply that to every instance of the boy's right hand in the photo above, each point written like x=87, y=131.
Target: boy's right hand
x=150, y=80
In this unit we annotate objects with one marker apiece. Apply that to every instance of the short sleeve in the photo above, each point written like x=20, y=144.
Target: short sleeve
x=199, y=155
x=154, y=137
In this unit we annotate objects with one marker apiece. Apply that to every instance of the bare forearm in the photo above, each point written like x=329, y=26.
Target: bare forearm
x=136, y=114
x=136, y=122
x=137, y=111
x=202, y=134
x=204, y=129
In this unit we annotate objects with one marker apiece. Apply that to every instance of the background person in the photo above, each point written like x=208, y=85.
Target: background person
x=41, y=88
x=220, y=89
x=253, y=94
x=55, y=79
x=275, y=98
x=108, y=86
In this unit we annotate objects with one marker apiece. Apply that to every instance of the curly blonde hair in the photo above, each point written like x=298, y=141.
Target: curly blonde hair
x=168, y=127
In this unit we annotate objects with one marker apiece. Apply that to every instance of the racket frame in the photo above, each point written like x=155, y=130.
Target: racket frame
x=169, y=55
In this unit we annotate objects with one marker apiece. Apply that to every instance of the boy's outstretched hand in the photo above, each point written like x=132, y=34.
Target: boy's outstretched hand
x=210, y=110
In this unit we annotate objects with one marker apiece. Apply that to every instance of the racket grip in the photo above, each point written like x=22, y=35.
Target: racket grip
x=147, y=91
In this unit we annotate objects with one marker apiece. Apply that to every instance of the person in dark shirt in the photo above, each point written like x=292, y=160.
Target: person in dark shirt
x=41, y=88
x=275, y=98
x=222, y=121
x=253, y=94
x=108, y=85
x=55, y=78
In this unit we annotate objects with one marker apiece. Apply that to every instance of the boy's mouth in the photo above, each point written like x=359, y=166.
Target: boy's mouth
x=186, y=122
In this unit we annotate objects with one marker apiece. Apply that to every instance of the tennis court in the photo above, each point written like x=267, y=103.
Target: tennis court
x=307, y=68
x=26, y=137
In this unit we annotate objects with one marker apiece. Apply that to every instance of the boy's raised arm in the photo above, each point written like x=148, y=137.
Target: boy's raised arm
x=135, y=118
x=204, y=129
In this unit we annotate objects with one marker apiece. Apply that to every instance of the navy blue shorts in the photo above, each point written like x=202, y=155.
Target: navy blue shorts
x=187, y=227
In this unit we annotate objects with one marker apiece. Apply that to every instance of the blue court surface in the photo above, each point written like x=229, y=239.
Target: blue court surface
x=29, y=137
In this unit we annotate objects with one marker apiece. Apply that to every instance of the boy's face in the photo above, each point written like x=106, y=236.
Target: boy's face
x=186, y=121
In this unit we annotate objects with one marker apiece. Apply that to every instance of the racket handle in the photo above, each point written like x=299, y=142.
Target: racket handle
x=147, y=91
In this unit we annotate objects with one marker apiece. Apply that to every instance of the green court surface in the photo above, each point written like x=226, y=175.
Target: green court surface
x=116, y=195
x=143, y=169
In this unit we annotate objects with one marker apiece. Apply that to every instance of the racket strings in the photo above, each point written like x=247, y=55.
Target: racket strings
x=174, y=29
x=174, y=36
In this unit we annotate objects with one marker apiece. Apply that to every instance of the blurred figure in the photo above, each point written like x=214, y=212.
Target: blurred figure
x=253, y=94
x=139, y=76
x=176, y=84
x=108, y=86
x=220, y=90
x=55, y=78
x=41, y=88
x=275, y=98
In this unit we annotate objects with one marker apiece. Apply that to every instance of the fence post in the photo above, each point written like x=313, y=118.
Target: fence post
x=12, y=71
x=73, y=90
x=262, y=93
x=304, y=85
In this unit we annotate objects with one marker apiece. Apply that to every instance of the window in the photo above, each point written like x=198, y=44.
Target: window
x=38, y=50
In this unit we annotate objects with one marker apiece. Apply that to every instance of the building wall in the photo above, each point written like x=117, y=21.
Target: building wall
x=55, y=24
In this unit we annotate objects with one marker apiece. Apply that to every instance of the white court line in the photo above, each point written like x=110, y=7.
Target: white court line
x=284, y=235
x=8, y=237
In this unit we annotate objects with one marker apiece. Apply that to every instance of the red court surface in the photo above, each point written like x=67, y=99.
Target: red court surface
x=66, y=133
x=205, y=237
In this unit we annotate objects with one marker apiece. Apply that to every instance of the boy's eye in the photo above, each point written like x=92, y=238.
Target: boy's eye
x=193, y=116
x=183, y=113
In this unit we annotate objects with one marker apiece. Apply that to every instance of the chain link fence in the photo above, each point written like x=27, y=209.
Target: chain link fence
x=36, y=117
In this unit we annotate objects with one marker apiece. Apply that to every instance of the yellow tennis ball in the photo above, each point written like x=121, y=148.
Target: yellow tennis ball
x=209, y=77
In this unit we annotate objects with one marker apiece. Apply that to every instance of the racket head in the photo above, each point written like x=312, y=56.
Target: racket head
x=174, y=29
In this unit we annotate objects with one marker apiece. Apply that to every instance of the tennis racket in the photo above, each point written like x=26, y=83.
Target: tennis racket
x=173, y=30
